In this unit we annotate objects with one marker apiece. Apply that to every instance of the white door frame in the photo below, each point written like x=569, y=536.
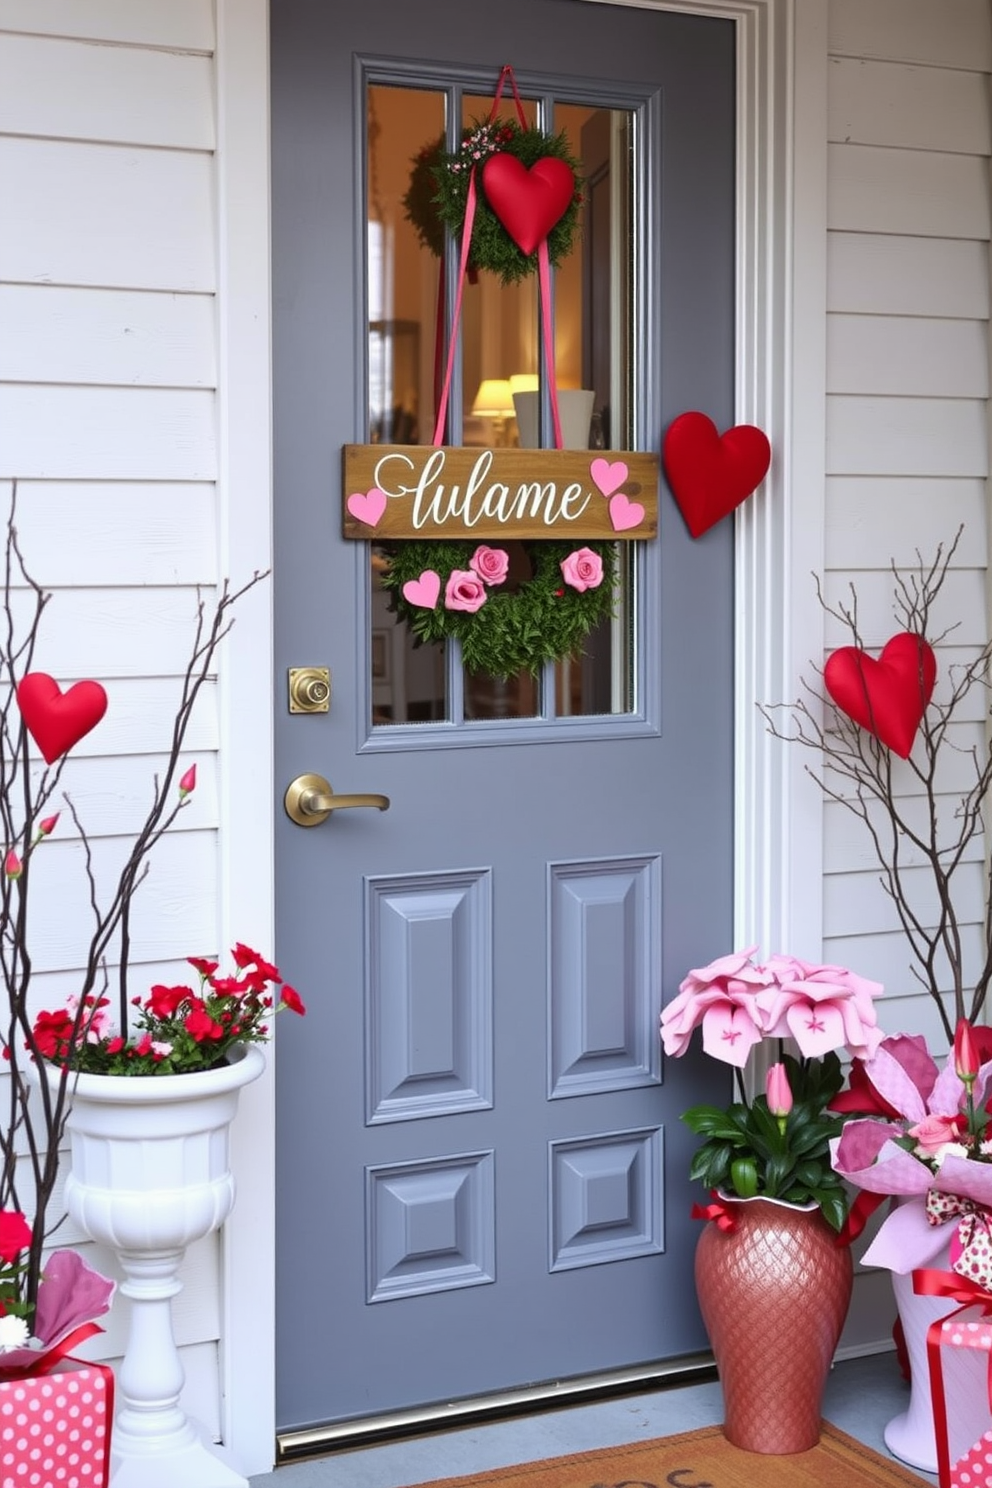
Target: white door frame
x=781, y=386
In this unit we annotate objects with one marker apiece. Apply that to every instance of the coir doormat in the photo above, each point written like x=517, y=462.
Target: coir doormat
x=703, y=1459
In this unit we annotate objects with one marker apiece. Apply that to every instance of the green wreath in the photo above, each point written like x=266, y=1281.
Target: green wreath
x=545, y=619
x=438, y=191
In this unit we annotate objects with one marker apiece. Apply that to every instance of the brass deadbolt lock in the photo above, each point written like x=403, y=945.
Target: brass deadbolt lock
x=309, y=690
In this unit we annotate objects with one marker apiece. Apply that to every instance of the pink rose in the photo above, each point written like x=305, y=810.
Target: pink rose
x=582, y=569
x=491, y=564
x=464, y=591
x=934, y=1132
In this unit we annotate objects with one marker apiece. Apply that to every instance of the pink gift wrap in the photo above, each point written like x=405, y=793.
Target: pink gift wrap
x=55, y=1427
x=964, y=1457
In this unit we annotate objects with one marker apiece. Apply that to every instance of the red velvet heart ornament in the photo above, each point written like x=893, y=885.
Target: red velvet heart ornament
x=710, y=474
x=888, y=697
x=57, y=720
x=528, y=202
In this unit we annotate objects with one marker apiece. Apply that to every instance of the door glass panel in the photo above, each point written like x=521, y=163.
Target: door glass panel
x=408, y=681
x=505, y=398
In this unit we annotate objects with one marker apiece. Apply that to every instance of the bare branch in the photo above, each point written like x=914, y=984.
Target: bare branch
x=37, y=1110
x=856, y=771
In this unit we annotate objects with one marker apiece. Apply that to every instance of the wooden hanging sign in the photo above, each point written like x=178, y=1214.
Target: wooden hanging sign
x=438, y=491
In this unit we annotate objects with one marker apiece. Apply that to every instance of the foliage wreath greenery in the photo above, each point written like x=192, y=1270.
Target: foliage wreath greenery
x=516, y=631
x=438, y=191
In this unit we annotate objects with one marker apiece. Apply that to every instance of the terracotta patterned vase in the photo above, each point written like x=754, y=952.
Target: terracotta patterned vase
x=774, y=1292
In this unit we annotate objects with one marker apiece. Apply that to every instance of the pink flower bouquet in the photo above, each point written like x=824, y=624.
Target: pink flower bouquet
x=923, y=1131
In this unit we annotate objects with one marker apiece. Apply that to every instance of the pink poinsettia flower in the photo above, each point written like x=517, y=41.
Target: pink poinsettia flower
x=721, y=997
x=823, y=1008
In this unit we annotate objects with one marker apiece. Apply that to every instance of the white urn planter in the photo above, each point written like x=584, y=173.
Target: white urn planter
x=150, y=1173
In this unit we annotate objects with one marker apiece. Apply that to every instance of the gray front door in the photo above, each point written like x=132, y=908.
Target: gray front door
x=481, y=1171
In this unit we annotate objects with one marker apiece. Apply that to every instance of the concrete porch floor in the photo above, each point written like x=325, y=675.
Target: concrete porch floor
x=862, y=1395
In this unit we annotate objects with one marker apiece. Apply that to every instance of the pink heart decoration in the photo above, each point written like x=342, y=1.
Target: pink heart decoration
x=710, y=474
x=57, y=720
x=367, y=506
x=423, y=591
x=888, y=697
x=528, y=202
x=608, y=475
x=625, y=513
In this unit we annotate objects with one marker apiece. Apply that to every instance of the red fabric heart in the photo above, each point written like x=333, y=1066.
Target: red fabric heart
x=888, y=697
x=57, y=720
x=710, y=474
x=528, y=202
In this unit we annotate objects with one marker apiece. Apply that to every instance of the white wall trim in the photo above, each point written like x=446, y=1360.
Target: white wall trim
x=247, y=888
x=781, y=387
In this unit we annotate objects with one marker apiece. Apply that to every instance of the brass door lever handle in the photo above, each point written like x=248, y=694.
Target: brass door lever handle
x=309, y=800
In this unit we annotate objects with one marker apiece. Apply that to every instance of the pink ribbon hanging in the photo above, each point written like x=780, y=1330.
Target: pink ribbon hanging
x=544, y=283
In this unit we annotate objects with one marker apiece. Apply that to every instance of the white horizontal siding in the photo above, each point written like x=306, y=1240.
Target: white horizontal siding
x=882, y=274
x=961, y=604
x=909, y=140
x=60, y=89
x=925, y=108
x=107, y=215
x=849, y=846
x=861, y=905
x=902, y=516
x=916, y=192
x=173, y=909
x=955, y=771
x=937, y=33
x=96, y=633
x=915, y=357
x=907, y=436
x=112, y=795
x=108, y=420
x=184, y=25
x=103, y=336
x=904, y=1007
x=53, y=432
x=133, y=533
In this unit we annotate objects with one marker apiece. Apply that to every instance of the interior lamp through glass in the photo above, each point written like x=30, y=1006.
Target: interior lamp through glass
x=494, y=401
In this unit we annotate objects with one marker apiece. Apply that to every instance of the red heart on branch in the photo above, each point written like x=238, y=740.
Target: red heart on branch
x=57, y=720
x=888, y=697
x=528, y=202
x=710, y=474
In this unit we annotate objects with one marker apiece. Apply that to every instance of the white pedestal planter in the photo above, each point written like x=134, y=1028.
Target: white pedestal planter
x=910, y=1436
x=150, y=1173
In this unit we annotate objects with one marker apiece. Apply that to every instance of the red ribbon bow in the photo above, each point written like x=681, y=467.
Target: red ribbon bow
x=719, y=1211
x=46, y=1362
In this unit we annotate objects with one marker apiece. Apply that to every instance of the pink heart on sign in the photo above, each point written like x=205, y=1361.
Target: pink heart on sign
x=423, y=591
x=608, y=476
x=625, y=514
x=367, y=506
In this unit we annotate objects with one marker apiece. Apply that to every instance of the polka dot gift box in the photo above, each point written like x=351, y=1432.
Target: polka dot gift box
x=964, y=1442
x=55, y=1428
